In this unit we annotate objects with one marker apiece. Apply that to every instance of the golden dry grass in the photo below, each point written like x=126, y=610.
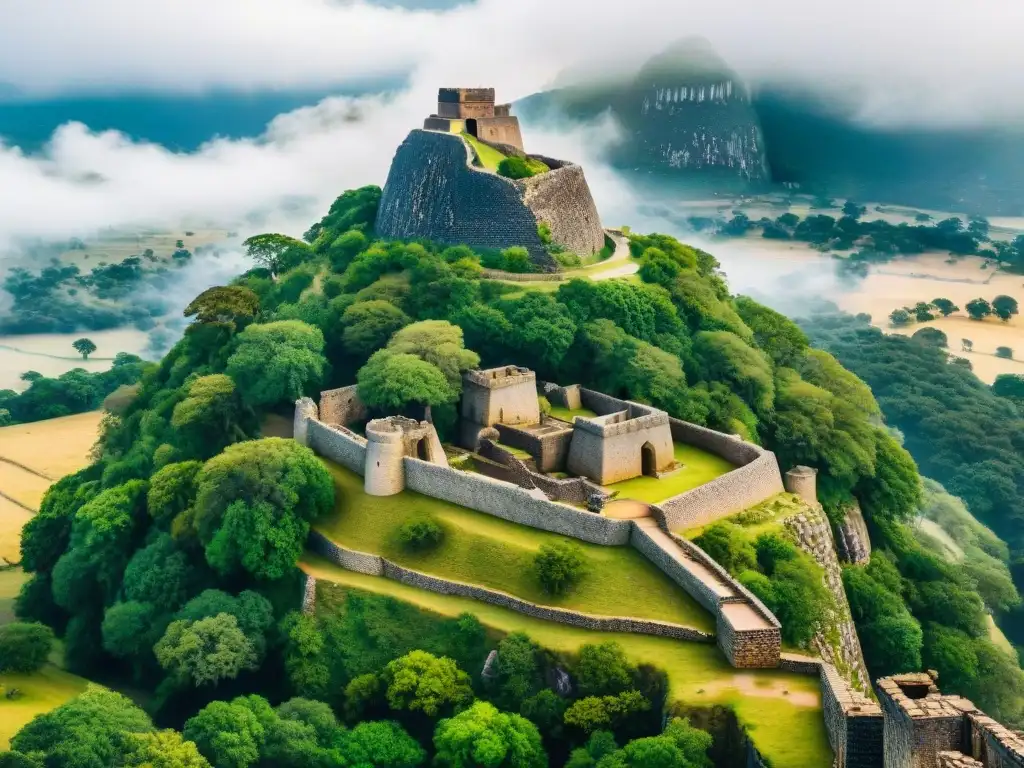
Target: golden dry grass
x=55, y=447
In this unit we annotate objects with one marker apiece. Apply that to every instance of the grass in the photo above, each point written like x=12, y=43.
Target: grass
x=699, y=468
x=498, y=554
x=40, y=692
x=54, y=447
x=519, y=453
x=999, y=640
x=568, y=414
x=761, y=518
x=782, y=711
x=489, y=157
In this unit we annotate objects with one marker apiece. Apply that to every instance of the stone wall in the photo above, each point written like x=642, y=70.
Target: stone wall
x=550, y=449
x=994, y=745
x=561, y=199
x=693, y=586
x=563, y=397
x=502, y=130
x=510, y=502
x=338, y=444
x=813, y=534
x=342, y=406
x=747, y=648
x=853, y=722
x=432, y=192
x=379, y=566
x=349, y=559
x=308, y=594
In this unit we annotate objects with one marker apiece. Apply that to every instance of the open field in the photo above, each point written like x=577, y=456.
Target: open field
x=51, y=354
x=498, y=554
x=699, y=467
x=788, y=269
x=113, y=246
x=774, y=706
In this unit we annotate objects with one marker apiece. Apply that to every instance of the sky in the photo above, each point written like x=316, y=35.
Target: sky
x=894, y=61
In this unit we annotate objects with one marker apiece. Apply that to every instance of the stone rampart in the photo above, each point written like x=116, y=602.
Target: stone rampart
x=853, y=722
x=994, y=745
x=308, y=594
x=510, y=502
x=305, y=411
x=600, y=403
x=690, y=584
x=374, y=565
x=562, y=397
x=549, y=448
x=338, y=444
x=349, y=559
x=342, y=406
x=504, y=130
x=433, y=192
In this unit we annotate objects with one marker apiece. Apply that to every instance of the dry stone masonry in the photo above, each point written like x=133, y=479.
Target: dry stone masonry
x=434, y=192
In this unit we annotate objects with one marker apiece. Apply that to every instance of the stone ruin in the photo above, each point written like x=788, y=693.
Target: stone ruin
x=388, y=442
x=436, y=190
x=473, y=111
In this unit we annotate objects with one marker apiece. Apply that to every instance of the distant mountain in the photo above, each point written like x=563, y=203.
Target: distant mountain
x=686, y=114
x=691, y=122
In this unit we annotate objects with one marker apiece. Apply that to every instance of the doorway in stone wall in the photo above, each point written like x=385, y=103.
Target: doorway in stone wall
x=471, y=126
x=648, y=463
x=422, y=449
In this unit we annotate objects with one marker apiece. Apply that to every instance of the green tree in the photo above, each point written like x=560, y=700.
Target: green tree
x=420, y=681
x=724, y=356
x=899, y=317
x=439, y=343
x=559, y=566
x=776, y=334
x=84, y=347
x=255, y=502
x=1010, y=386
x=945, y=306
x=209, y=417
x=1004, y=352
x=160, y=573
x=24, y=647
x=233, y=306
x=205, y=652
x=304, y=661
x=484, y=737
x=228, y=734
x=277, y=362
x=172, y=490
x=932, y=336
x=163, y=749
x=345, y=248
x=519, y=670
x=93, y=730
x=978, y=309
x=277, y=253
x=367, y=325
x=382, y=744
x=602, y=669
x=593, y=713
x=1004, y=307
x=128, y=629
x=391, y=382
x=729, y=546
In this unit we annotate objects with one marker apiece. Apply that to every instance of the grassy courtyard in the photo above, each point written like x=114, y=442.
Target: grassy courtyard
x=781, y=711
x=568, y=414
x=699, y=467
x=495, y=553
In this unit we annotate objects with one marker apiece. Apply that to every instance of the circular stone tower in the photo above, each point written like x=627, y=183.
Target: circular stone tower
x=385, y=448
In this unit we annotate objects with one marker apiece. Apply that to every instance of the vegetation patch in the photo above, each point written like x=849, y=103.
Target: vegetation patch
x=495, y=553
x=772, y=705
x=699, y=467
x=488, y=156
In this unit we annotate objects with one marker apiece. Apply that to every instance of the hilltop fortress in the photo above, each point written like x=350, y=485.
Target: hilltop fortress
x=443, y=188
x=520, y=454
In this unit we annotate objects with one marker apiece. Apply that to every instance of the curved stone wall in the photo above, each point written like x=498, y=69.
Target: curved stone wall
x=374, y=565
x=433, y=192
x=337, y=444
x=510, y=502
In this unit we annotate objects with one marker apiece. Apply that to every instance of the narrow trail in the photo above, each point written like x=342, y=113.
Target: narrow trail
x=17, y=503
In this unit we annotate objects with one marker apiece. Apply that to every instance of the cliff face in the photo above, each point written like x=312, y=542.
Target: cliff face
x=686, y=116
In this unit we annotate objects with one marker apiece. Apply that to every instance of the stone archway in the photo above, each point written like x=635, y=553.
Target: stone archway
x=648, y=460
x=471, y=126
x=423, y=449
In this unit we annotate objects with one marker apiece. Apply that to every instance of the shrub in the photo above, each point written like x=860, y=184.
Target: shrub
x=24, y=646
x=729, y=546
x=567, y=259
x=899, y=317
x=931, y=336
x=1005, y=352
x=544, y=404
x=516, y=259
x=520, y=167
x=420, y=535
x=560, y=566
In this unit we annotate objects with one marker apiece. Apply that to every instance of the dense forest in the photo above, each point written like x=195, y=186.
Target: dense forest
x=170, y=562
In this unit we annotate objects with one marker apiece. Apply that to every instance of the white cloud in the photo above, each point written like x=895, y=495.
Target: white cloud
x=899, y=59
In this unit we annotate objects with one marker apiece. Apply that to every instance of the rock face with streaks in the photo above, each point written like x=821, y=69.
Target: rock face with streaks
x=685, y=116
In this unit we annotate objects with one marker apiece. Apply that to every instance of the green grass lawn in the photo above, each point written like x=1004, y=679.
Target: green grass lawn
x=489, y=156
x=495, y=553
x=781, y=710
x=768, y=516
x=699, y=468
x=568, y=414
x=41, y=691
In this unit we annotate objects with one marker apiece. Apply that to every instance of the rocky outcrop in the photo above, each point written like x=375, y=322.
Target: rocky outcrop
x=838, y=643
x=433, y=192
x=686, y=116
x=852, y=540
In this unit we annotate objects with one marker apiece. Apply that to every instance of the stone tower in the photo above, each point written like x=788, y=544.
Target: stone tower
x=803, y=482
x=505, y=395
x=388, y=442
x=473, y=111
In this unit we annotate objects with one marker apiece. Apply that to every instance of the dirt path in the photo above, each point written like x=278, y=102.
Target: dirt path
x=627, y=509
